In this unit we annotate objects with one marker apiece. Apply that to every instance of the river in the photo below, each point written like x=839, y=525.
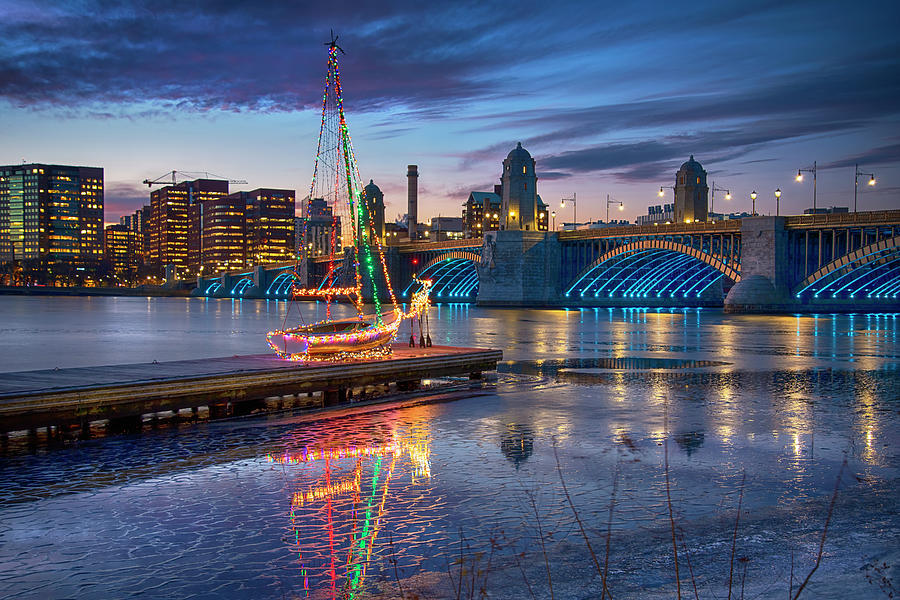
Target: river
x=636, y=422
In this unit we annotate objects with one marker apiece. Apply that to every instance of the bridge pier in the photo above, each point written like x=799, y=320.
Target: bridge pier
x=765, y=269
x=519, y=268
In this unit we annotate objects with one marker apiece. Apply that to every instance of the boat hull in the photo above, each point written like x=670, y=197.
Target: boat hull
x=331, y=338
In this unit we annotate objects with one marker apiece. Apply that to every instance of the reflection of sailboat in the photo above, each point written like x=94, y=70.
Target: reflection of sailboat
x=350, y=503
x=336, y=180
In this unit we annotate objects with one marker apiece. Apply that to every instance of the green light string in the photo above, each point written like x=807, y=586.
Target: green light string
x=363, y=250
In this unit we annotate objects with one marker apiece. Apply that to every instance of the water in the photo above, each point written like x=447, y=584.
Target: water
x=415, y=491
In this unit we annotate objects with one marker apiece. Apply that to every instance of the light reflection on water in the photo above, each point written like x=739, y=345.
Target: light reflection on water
x=285, y=506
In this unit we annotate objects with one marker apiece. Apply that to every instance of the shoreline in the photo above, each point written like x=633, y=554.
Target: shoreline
x=154, y=291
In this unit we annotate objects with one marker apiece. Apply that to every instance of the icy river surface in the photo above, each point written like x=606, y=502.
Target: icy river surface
x=611, y=446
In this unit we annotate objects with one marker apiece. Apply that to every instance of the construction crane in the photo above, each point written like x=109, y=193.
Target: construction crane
x=173, y=177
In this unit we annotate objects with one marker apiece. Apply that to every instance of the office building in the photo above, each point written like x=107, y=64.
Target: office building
x=270, y=225
x=122, y=250
x=51, y=213
x=176, y=217
x=660, y=213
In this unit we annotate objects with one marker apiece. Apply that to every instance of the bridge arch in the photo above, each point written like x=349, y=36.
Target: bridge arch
x=652, y=268
x=241, y=286
x=283, y=284
x=873, y=271
x=453, y=274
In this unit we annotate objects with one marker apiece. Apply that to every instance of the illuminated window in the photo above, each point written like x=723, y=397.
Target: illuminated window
x=524, y=169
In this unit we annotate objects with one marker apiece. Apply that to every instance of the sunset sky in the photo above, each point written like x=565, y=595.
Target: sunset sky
x=609, y=98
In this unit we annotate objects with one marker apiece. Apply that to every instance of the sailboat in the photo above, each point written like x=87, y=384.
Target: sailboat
x=336, y=180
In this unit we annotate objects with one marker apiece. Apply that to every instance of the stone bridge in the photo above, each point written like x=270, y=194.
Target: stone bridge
x=794, y=263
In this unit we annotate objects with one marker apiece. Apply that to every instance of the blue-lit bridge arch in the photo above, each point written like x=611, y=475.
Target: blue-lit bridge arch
x=454, y=277
x=654, y=269
x=282, y=285
x=871, y=272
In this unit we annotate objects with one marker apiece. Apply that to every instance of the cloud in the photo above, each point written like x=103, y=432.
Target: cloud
x=120, y=198
x=876, y=156
x=552, y=175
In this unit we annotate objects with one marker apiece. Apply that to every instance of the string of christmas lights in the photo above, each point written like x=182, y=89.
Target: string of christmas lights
x=337, y=340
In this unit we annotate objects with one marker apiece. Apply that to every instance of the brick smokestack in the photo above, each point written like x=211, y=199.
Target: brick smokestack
x=412, y=180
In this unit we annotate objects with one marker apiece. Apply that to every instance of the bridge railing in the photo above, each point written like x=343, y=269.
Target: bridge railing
x=628, y=230
x=875, y=217
x=448, y=244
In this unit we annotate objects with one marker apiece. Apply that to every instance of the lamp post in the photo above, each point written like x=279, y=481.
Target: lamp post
x=800, y=173
x=856, y=183
x=612, y=201
x=753, y=197
x=777, y=201
x=562, y=204
x=712, y=203
x=553, y=214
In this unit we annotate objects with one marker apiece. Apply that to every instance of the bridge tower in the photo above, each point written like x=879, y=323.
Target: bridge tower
x=519, y=190
x=373, y=210
x=691, y=193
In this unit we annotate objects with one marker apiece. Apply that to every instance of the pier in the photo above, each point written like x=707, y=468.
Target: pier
x=122, y=394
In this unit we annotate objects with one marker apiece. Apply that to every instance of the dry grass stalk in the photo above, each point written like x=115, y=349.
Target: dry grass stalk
x=737, y=519
x=687, y=556
x=537, y=518
x=612, y=504
x=393, y=561
x=791, y=584
x=837, y=484
x=669, y=495
x=587, y=541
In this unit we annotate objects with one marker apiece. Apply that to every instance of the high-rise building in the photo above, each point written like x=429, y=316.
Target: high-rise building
x=122, y=248
x=51, y=213
x=270, y=225
x=691, y=193
x=177, y=215
x=217, y=234
x=139, y=222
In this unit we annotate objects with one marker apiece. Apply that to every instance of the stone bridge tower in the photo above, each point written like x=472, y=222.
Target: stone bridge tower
x=519, y=190
x=691, y=193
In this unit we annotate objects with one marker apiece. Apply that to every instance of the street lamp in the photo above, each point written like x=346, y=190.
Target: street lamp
x=715, y=189
x=856, y=183
x=612, y=201
x=553, y=214
x=777, y=201
x=753, y=197
x=800, y=173
x=661, y=192
x=562, y=204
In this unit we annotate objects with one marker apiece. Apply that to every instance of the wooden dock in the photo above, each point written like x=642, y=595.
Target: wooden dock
x=121, y=394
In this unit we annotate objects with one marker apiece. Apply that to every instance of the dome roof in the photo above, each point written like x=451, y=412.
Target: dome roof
x=518, y=154
x=692, y=165
x=371, y=189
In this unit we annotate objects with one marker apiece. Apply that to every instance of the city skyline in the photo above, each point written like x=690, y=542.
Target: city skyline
x=612, y=106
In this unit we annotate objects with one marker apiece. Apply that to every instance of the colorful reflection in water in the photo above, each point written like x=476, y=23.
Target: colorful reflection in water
x=344, y=496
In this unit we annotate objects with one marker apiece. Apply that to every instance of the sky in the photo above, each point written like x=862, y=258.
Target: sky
x=609, y=98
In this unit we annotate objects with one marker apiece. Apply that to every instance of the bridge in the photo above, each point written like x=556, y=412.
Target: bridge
x=793, y=263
